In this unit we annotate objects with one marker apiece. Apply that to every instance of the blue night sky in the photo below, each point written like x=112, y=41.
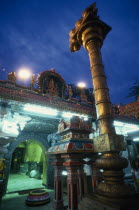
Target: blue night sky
x=35, y=34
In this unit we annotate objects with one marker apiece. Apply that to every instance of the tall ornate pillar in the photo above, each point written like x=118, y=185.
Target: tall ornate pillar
x=90, y=32
x=58, y=200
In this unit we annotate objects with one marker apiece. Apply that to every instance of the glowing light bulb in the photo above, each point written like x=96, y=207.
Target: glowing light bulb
x=81, y=85
x=24, y=73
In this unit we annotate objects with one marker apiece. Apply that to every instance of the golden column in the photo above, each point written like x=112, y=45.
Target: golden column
x=90, y=32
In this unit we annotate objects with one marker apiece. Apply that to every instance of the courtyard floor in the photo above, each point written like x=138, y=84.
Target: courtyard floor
x=18, y=182
x=19, y=186
x=14, y=201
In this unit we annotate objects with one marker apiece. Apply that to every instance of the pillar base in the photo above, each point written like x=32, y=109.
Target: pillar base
x=58, y=205
x=92, y=202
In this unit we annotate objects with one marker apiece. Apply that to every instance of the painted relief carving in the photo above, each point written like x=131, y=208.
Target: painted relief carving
x=12, y=76
x=52, y=88
x=62, y=125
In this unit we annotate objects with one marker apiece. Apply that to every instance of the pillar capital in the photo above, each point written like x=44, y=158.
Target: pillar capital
x=88, y=28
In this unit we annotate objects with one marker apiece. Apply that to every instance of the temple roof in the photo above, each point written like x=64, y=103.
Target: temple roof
x=19, y=93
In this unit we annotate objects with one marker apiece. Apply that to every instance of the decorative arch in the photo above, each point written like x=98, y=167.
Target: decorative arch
x=40, y=138
x=26, y=136
x=46, y=76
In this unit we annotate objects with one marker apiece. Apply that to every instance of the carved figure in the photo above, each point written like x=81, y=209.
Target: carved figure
x=33, y=81
x=53, y=70
x=12, y=76
x=52, y=89
x=83, y=96
x=62, y=125
x=84, y=125
x=74, y=122
x=116, y=109
x=70, y=92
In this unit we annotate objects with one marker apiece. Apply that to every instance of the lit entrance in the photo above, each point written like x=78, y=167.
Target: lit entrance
x=28, y=167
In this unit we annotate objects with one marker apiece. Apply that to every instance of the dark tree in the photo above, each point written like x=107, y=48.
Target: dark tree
x=134, y=91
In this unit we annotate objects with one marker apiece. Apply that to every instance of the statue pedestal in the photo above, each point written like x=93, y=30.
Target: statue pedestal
x=91, y=202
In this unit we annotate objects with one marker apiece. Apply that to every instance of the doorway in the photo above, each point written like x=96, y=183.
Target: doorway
x=28, y=167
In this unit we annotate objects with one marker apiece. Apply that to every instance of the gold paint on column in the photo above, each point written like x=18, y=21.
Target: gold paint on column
x=90, y=32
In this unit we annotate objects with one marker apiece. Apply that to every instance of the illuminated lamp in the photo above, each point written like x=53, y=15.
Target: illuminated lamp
x=129, y=127
x=81, y=85
x=64, y=173
x=40, y=110
x=132, y=130
x=117, y=123
x=136, y=139
x=70, y=115
x=24, y=73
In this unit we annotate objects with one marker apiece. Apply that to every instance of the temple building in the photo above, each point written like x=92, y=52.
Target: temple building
x=31, y=122
x=49, y=131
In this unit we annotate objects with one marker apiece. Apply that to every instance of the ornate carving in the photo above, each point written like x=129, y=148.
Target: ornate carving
x=83, y=96
x=33, y=81
x=12, y=77
x=74, y=123
x=70, y=92
x=62, y=125
x=114, y=161
x=109, y=142
x=116, y=109
x=52, y=83
x=113, y=185
x=51, y=88
x=25, y=96
x=90, y=23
